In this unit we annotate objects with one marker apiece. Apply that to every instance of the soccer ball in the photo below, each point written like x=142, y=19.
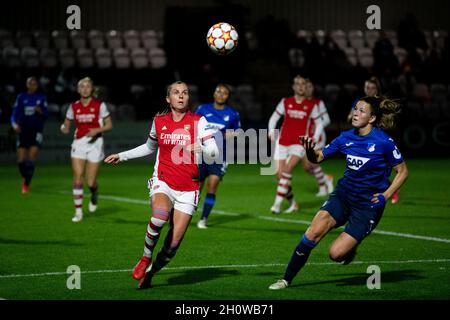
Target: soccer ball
x=222, y=38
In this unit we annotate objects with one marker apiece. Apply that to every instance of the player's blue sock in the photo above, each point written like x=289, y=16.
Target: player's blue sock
x=299, y=258
x=208, y=205
x=29, y=171
x=22, y=168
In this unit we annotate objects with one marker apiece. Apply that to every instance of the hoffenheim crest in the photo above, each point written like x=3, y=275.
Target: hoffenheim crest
x=371, y=147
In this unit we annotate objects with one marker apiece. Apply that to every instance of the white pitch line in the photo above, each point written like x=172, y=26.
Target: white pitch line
x=242, y=266
x=235, y=214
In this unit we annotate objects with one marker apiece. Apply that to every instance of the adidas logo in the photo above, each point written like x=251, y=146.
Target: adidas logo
x=164, y=128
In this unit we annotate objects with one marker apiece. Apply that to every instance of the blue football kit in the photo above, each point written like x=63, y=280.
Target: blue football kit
x=370, y=160
x=219, y=120
x=31, y=123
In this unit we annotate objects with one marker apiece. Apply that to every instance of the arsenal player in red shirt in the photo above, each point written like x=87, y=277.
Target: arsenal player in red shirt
x=92, y=119
x=180, y=137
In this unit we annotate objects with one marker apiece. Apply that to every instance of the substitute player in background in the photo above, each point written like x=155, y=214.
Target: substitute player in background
x=180, y=137
x=28, y=117
x=360, y=196
x=324, y=181
x=220, y=117
x=92, y=119
x=299, y=113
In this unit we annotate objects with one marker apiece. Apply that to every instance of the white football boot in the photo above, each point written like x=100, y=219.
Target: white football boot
x=292, y=208
x=280, y=284
x=201, y=224
x=77, y=217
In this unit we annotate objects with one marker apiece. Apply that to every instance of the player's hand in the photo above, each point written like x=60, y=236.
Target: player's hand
x=378, y=200
x=112, y=159
x=271, y=135
x=17, y=128
x=38, y=109
x=64, y=129
x=307, y=142
x=195, y=147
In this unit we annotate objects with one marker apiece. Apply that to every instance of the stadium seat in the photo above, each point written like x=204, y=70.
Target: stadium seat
x=67, y=58
x=421, y=92
x=11, y=57
x=59, y=38
x=320, y=36
x=96, y=39
x=121, y=58
x=438, y=93
x=30, y=57
x=139, y=58
x=85, y=58
x=371, y=37
x=42, y=39
x=245, y=92
x=78, y=39
x=355, y=38
x=54, y=110
x=149, y=39
x=304, y=34
x=6, y=39
x=340, y=38
x=251, y=40
x=401, y=54
x=296, y=57
x=392, y=35
x=366, y=61
x=24, y=39
x=49, y=58
x=132, y=39
x=103, y=58
x=157, y=58
x=439, y=38
x=114, y=39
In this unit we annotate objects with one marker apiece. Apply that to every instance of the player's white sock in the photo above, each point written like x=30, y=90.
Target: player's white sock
x=283, y=188
x=320, y=176
x=157, y=221
x=78, y=198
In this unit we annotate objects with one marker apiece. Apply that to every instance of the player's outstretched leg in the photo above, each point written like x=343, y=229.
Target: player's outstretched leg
x=156, y=223
x=210, y=200
x=78, y=202
x=298, y=260
x=93, y=201
x=282, y=189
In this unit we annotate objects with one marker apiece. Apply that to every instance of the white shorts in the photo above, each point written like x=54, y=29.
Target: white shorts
x=283, y=152
x=184, y=201
x=83, y=149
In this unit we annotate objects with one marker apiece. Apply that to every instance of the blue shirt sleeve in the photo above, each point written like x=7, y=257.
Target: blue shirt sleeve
x=199, y=110
x=17, y=110
x=393, y=155
x=44, y=107
x=333, y=147
x=237, y=121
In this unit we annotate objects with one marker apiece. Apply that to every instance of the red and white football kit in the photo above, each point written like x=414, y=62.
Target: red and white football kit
x=298, y=117
x=176, y=169
x=87, y=117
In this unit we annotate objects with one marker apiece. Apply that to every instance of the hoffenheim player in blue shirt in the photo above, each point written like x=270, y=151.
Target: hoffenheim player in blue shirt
x=220, y=117
x=28, y=116
x=360, y=196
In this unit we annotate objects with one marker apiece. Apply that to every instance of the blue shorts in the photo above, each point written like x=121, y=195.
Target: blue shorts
x=361, y=219
x=217, y=169
x=27, y=139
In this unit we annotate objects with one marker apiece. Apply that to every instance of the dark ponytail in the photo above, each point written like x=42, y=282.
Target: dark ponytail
x=384, y=109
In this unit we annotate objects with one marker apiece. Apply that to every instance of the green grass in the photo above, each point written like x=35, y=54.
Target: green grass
x=236, y=258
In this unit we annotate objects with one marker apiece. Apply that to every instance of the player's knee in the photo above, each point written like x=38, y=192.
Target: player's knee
x=336, y=254
x=314, y=234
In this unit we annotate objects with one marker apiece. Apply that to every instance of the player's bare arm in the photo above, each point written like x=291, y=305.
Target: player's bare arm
x=65, y=127
x=314, y=156
x=112, y=159
x=401, y=174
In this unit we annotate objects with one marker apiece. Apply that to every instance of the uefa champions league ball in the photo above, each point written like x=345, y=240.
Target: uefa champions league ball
x=222, y=38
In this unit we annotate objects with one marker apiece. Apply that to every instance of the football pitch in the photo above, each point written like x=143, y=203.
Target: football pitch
x=243, y=251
